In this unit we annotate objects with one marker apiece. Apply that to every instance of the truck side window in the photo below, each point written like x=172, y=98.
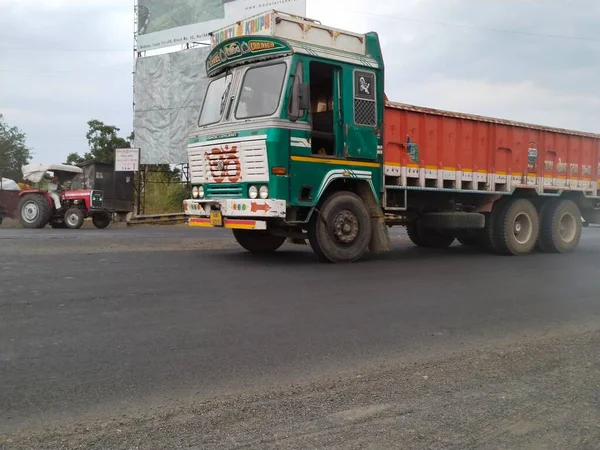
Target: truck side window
x=365, y=103
x=322, y=109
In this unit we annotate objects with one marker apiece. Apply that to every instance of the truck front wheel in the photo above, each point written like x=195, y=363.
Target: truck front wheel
x=561, y=227
x=341, y=231
x=258, y=241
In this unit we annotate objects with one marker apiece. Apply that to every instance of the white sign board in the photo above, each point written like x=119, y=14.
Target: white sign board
x=164, y=23
x=127, y=159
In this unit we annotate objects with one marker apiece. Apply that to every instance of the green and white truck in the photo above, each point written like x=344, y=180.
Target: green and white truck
x=296, y=140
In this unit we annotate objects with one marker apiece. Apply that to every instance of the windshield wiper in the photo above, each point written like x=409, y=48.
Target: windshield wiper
x=224, y=96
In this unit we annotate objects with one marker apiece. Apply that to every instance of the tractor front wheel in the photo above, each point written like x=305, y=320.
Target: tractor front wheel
x=101, y=220
x=34, y=211
x=74, y=218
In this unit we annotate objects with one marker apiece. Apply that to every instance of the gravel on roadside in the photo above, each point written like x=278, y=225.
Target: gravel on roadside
x=543, y=393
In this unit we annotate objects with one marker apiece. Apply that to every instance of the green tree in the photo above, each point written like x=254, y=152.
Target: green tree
x=103, y=140
x=14, y=153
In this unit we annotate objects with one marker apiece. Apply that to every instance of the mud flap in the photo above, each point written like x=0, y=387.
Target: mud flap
x=380, y=237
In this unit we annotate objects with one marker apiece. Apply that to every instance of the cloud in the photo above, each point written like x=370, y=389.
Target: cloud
x=493, y=57
x=63, y=63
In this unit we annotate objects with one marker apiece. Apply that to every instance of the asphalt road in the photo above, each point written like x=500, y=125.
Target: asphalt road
x=109, y=324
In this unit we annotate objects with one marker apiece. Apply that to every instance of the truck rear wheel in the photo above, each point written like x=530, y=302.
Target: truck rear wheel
x=516, y=228
x=469, y=240
x=560, y=227
x=487, y=234
x=428, y=237
x=341, y=231
x=256, y=241
x=34, y=211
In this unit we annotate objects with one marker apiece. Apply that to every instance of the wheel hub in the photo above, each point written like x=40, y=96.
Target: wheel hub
x=567, y=228
x=522, y=228
x=30, y=212
x=72, y=219
x=345, y=227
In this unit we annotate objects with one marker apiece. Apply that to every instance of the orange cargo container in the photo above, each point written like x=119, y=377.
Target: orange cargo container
x=429, y=148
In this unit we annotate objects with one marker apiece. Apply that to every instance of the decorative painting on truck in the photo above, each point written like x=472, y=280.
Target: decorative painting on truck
x=240, y=49
x=532, y=157
x=365, y=103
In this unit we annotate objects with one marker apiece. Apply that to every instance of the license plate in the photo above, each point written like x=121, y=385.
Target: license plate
x=216, y=219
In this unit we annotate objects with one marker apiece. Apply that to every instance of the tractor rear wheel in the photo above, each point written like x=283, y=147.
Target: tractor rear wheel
x=34, y=211
x=258, y=241
x=74, y=218
x=101, y=220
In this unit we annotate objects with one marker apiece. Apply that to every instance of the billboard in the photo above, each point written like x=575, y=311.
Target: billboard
x=169, y=90
x=163, y=23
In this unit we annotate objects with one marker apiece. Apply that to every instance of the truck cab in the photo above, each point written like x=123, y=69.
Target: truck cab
x=288, y=141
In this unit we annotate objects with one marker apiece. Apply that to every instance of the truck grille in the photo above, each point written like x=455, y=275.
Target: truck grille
x=224, y=191
x=97, y=199
x=233, y=163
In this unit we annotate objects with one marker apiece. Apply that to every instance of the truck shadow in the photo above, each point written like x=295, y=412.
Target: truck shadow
x=303, y=255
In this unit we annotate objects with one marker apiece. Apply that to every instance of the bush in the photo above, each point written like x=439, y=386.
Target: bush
x=164, y=193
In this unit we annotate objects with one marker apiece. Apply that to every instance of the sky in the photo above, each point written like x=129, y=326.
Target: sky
x=64, y=62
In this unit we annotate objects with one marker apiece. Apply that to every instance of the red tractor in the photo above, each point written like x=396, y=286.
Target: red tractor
x=59, y=205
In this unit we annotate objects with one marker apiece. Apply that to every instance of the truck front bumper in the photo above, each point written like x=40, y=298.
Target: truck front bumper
x=233, y=213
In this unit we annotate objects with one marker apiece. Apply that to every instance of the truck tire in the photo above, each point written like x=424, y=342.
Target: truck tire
x=341, y=231
x=487, y=234
x=560, y=227
x=258, y=241
x=34, y=211
x=74, y=218
x=469, y=241
x=516, y=228
x=101, y=220
x=428, y=237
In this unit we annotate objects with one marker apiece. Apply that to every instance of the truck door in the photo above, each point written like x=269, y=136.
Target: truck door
x=360, y=116
x=325, y=110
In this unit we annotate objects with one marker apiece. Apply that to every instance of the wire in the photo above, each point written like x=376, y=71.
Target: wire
x=85, y=50
x=66, y=71
x=474, y=27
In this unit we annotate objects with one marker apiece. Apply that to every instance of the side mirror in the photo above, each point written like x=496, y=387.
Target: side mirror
x=303, y=96
x=294, y=109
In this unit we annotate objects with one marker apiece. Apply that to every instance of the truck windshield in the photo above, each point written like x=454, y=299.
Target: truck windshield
x=261, y=91
x=215, y=100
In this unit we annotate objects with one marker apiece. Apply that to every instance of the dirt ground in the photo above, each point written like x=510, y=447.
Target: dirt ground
x=539, y=394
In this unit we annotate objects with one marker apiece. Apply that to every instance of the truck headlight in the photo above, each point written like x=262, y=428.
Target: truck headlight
x=201, y=191
x=253, y=192
x=195, y=192
x=264, y=192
